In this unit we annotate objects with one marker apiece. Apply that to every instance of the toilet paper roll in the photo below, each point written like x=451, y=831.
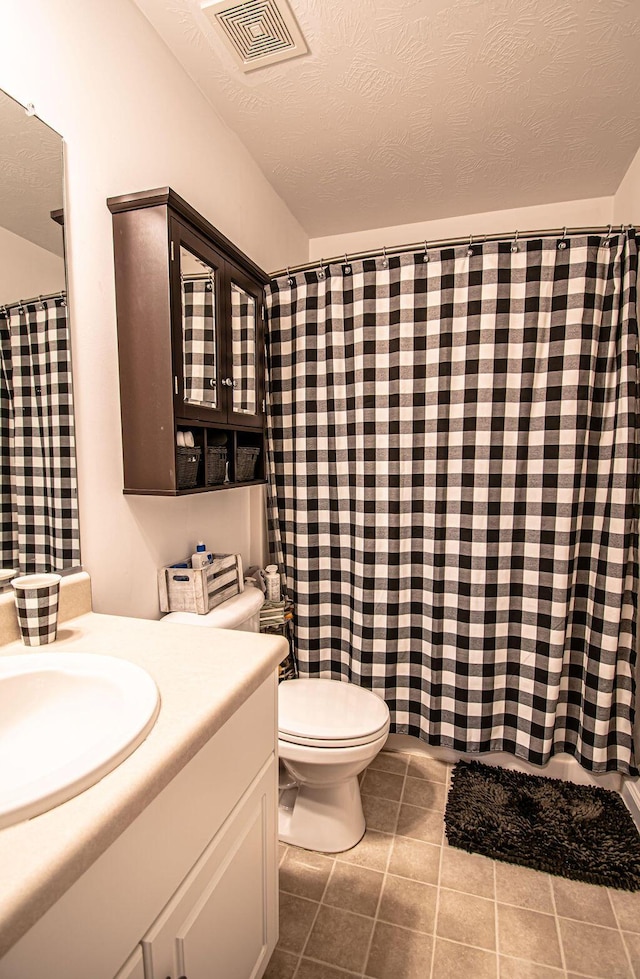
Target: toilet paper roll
x=189, y=440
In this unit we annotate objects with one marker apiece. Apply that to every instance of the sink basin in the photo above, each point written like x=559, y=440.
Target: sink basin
x=66, y=719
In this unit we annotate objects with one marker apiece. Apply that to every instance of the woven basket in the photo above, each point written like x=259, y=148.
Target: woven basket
x=246, y=458
x=187, y=462
x=216, y=464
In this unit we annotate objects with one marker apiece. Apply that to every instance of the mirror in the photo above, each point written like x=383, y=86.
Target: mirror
x=243, y=350
x=39, y=525
x=199, y=365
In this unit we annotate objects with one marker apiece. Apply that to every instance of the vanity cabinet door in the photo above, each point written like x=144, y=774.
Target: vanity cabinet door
x=222, y=922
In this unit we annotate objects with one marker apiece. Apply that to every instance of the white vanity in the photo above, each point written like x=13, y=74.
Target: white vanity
x=167, y=866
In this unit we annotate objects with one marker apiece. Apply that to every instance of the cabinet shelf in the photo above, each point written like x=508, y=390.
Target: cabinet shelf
x=191, y=347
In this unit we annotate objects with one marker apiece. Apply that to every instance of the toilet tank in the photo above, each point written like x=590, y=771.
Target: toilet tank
x=242, y=612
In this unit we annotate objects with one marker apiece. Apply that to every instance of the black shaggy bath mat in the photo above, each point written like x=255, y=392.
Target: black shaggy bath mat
x=574, y=831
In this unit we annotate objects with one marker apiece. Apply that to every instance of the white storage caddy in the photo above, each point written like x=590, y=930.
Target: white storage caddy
x=200, y=589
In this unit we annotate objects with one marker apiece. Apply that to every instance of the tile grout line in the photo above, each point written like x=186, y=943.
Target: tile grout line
x=621, y=933
x=556, y=916
x=495, y=907
x=437, y=907
x=315, y=918
x=455, y=890
x=385, y=874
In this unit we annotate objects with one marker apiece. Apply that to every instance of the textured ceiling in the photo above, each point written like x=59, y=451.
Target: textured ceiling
x=409, y=110
x=31, y=181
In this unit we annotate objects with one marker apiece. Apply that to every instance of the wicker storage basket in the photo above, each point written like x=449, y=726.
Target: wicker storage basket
x=246, y=458
x=216, y=464
x=187, y=462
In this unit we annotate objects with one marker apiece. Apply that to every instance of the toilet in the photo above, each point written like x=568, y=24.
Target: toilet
x=328, y=732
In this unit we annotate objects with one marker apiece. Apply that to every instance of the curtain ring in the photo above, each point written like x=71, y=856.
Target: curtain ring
x=346, y=268
x=290, y=278
x=42, y=303
x=562, y=244
x=63, y=299
x=385, y=260
x=321, y=272
x=470, y=248
x=514, y=244
x=425, y=257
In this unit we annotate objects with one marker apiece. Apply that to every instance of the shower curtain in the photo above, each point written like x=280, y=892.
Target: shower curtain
x=453, y=488
x=39, y=527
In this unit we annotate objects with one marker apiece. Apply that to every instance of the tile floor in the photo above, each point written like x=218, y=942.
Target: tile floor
x=403, y=904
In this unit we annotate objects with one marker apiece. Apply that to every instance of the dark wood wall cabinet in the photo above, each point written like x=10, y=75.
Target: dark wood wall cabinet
x=190, y=311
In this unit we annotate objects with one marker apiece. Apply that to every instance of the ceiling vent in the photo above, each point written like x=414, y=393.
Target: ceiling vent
x=257, y=32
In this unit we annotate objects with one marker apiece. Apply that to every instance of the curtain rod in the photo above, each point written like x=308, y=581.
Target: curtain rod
x=60, y=294
x=449, y=242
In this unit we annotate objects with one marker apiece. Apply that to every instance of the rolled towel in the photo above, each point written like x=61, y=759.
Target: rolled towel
x=180, y=439
x=189, y=440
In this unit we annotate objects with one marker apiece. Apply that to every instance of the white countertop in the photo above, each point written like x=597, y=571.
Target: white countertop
x=203, y=676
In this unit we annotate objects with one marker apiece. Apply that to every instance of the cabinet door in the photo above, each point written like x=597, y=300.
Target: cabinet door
x=244, y=349
x=198, y=310
x=222, y=922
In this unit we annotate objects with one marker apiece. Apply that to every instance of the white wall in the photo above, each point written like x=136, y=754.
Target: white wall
x=593, y=212
x=132, y=120
x=26, y=270
x=626, y=202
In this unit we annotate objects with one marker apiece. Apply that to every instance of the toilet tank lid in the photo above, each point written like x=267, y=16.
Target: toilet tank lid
x=227, y=615
x=329, y=710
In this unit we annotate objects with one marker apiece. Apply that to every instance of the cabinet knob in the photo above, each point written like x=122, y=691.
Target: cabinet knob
x=212, y=382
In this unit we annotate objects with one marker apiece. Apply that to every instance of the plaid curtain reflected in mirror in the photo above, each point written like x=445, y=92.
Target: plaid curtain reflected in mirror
x=39, y=525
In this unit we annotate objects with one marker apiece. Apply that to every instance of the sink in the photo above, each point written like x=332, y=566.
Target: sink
x=66, y=720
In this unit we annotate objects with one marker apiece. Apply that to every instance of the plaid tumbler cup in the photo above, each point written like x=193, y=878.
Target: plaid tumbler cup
x=36, y=598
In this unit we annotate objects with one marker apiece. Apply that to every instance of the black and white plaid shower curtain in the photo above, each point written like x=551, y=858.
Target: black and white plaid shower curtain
x=453, y=489
x=39, y=523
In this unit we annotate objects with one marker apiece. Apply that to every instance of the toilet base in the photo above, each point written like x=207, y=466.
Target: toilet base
x=328, y=818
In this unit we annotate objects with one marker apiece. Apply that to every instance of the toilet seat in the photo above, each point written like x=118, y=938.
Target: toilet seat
x=329, y=714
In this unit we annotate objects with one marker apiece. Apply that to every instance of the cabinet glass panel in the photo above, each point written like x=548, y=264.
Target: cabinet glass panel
x=199, y=340
x=243, y=351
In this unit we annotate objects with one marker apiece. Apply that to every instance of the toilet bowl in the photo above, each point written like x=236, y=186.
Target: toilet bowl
x=328, y=732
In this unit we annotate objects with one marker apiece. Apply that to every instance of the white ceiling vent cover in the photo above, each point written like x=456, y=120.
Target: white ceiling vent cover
x=257, y=32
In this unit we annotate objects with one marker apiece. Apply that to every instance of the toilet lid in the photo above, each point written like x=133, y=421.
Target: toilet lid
x=326, y=711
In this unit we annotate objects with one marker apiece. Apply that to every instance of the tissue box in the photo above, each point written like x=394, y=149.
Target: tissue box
x=187, y=589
